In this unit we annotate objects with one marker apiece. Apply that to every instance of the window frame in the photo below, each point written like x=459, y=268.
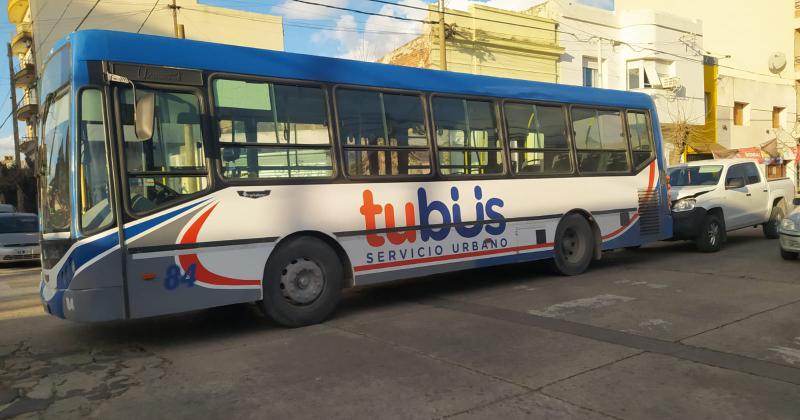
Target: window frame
x=120, y=143
x=650, y=133
x=109, y=158
x=571, y=149
x=214, y=132
x=628, y=153
x=342, y=148
x=501, y=135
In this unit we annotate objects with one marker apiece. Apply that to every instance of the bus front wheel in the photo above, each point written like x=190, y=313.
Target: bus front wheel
x=574, y=246
x=302, y=282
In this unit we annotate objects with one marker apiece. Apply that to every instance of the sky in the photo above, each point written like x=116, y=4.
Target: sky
x=313, y=29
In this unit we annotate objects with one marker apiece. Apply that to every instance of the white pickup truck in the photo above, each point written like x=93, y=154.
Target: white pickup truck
x=712, y=197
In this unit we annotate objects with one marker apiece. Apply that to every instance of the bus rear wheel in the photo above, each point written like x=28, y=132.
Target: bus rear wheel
x=302, y=282
x=574, y=246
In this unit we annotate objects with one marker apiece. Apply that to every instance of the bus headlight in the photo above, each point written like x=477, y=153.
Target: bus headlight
x=789, y=224
x=685, y=204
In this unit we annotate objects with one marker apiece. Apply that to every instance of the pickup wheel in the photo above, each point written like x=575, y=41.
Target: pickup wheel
x=771, y=227
x=712, y=234
x=788, y=255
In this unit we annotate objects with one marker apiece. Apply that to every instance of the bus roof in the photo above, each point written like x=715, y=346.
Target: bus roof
x=172, y=52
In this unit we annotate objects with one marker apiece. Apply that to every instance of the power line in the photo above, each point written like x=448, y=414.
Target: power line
x=10, y=114
x=148, y=16
x=87, y=15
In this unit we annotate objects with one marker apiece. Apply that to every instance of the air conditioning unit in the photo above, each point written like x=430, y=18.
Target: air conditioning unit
x=672, y=83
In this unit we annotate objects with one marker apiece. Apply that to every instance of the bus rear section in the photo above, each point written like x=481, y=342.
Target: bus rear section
x=167, y=189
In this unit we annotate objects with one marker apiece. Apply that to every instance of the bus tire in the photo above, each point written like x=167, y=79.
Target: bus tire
x=771, y=226
x=711, y=235
x=574, y=246
x=302, y=283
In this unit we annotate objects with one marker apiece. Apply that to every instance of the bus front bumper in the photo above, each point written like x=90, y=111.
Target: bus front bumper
x=687, y=224
x=87, y=305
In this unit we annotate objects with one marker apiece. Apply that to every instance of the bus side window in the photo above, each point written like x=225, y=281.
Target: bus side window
x=467, y=137
x=537, y=137
x=641, y=138
x=600, y=141
x=382, y=134
x=269, y=130
x=94, y=200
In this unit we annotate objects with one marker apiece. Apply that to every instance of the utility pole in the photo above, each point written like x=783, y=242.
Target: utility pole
x=600, y=62
x=442, y=40
x=20, y=196
x=179, y=31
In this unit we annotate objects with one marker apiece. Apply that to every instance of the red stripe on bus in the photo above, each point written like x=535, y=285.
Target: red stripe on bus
x=203, y=274
x=622, y=228
x=436, y=258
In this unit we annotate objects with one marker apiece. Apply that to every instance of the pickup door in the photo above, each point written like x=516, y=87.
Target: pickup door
x=746, y=196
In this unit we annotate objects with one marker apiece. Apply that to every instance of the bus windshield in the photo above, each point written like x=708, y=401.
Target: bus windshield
x=54, y=156
x=695, y=175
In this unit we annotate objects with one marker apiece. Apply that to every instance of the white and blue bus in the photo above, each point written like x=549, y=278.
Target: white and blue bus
x=177, y=175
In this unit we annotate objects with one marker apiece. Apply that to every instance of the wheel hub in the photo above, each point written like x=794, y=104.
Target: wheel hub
x=302, y=281
x=571, y=246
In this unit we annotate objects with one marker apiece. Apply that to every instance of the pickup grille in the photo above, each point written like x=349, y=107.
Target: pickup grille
x=649, y=222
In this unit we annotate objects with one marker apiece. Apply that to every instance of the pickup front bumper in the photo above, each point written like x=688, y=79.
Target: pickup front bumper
x=687, y=224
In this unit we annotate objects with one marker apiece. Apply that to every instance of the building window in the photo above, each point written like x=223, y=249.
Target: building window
x=590, y=76
x=777, y=117
x=740, y=113
x=633, y=78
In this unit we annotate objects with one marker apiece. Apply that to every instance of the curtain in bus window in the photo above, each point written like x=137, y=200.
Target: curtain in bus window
x=641, y=138
x=600, y=141
x=171, y=164
x=382, y=133
x=94, y=201
x=537, y=139
x=56, y=214
x=466, y=132
x=270, y=130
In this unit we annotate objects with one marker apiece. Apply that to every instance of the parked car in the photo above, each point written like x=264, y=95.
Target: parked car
x=713, y=197
x=19, y=237
x=790, y=233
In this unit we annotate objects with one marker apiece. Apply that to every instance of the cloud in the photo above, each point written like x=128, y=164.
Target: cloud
x=303, y=11
x=6, y=146
x=601, y=4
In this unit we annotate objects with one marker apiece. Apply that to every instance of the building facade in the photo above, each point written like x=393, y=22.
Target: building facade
x=487, y=41
x=638, y=50
x=40, y=23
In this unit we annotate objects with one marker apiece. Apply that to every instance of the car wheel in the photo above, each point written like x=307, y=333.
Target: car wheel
x=302, y=282
x=771, y=227
x=574, y=246
x=788, y=255
x=712, y=234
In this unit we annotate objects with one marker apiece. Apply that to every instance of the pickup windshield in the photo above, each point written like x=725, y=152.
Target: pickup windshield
x=19, y=224
x=695, y=175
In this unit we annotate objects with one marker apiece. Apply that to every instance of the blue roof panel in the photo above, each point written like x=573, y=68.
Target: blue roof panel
x=164, y=51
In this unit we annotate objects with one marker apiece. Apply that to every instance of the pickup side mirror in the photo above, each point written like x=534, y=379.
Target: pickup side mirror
x=796, y=201
x=734, y=183
x=145, y=113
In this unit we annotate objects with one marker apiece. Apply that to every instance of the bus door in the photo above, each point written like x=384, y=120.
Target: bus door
x=166, y=186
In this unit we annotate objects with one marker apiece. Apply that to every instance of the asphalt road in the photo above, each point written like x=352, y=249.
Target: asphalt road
x=659, y=332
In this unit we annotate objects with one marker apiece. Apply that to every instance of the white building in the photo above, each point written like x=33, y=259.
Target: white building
x=587, y=32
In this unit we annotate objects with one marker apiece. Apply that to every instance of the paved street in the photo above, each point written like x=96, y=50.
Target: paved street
x=659, y=332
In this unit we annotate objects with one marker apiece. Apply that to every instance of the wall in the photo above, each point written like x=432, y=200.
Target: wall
x=52, y=20
x=526, y=49
x=635, y=27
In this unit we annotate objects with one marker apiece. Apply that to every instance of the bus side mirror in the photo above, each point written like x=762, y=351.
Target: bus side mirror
x=145, y=116
x=734, y=183
x=796, y=201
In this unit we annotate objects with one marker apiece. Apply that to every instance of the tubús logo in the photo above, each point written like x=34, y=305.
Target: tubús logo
x=450, y=216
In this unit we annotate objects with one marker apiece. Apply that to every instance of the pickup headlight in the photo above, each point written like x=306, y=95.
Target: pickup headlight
x=685, y=204
x=789, y=224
